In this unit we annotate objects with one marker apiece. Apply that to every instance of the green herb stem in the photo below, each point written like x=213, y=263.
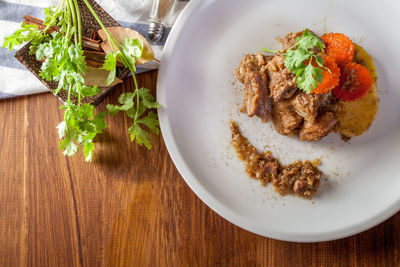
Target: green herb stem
x=137, y=98
x=74, y=22
x=270, y=50
x=78, y=15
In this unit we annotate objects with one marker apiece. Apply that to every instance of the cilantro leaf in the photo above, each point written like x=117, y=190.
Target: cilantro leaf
x=111, y=61
x=88, y=149
x=68, y=144
x=61, y=129
x=85, y=111
x=52, y=16
x=132, y=47
x=25, y=34
x=111, y=76
x=49, y=69
x=113, y=109
x=151, y=121
x=88, y=90
x=308, y=40
x=99, y=122
x=77, y=77
x=110, y=64
x=310, y=78
x=147, y=99
x=76, y=56
x=137, y=112
x=294, y=59
x=140, y=135
x=319, y=60
x=126, y=101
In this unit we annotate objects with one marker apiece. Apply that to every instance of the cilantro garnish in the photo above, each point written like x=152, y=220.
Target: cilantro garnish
x=299, y=60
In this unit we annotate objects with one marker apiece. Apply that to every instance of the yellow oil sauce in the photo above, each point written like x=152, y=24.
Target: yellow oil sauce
x=355, y=117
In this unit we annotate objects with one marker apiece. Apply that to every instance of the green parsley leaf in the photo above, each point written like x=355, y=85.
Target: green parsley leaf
x=27, y=33
x=147, y=99
x=113, y=109
x=111, y=76
x=132, y=47
x=110, y=64
x=49, y=69
x=68, y=144
x=310, y=78
x=85, y=111
x=308, y=40
x=88, y=90
x=88, y=149
x=294, y=59
x=319, y=60
x=126, y=101
x=141, y=136
x=151, y=121
x=61, y=129
x=77, y=57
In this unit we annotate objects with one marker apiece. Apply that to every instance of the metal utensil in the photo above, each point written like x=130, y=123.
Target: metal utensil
x=160, y=14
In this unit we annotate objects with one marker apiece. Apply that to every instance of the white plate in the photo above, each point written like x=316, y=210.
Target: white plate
x=199, y=97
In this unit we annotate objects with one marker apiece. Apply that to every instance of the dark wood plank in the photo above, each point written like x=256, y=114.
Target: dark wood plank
x=130, y=206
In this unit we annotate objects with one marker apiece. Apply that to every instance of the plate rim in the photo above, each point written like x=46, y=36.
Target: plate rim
x=205, y=196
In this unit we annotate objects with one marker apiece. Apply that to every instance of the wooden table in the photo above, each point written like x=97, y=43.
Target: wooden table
x=130, y=207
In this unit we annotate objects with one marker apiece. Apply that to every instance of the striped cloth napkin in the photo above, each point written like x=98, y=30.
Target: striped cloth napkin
x=129, y=13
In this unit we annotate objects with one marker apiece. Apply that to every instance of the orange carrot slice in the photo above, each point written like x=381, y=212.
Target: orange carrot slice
x=339, y=47
x=331, y=74
x=355, y=81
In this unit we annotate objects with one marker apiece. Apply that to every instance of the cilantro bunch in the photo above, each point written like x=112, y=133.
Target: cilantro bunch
x=64, y=63
x=300, y=57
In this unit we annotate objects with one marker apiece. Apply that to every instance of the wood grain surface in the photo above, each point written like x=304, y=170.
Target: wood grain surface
x=130, y=207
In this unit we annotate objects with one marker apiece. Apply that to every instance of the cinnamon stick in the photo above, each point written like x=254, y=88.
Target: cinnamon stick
x=98, y=57
x=86, y=41
x=93, y=63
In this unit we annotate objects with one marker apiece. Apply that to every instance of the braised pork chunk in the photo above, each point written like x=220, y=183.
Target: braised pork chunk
x=252, y=73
